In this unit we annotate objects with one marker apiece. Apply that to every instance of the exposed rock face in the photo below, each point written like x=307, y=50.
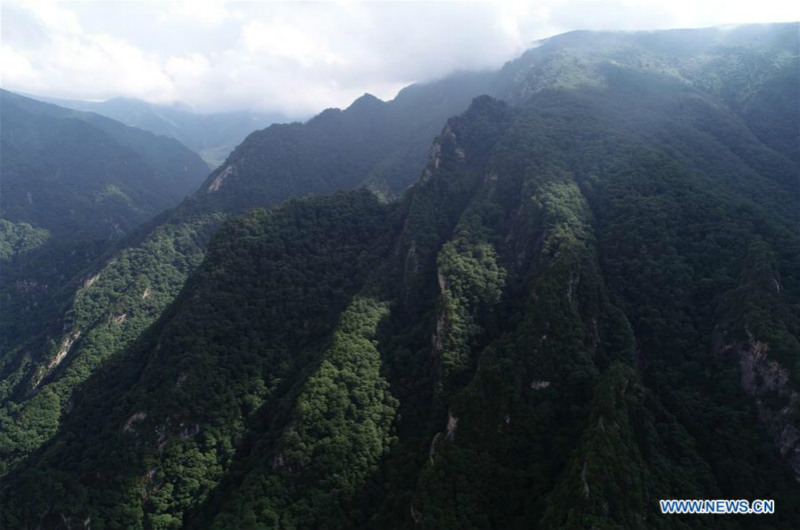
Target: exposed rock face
x=539, y=385
x=90, y=281
x=432, y=450
x=441, y=325
x=216, y=184
x=278, y=462
x=442, y=281
x=66, y=344
x=436, y=155
x=434, y=159
x=452, y=424
x=63, y=350
x=583, y=479
x=441, y=320
x=765, y=379
x=138, y=416
x=189, y=431
x=416, y=515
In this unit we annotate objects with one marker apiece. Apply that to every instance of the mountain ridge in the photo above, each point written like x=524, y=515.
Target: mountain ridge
x=73, y=185
x=578, y=305
x=211, y=135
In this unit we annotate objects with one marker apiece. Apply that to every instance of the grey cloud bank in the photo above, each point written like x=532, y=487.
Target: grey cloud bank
x=298, y=58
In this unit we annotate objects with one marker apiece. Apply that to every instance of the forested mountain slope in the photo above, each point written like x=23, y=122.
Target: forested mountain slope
x=212, y=135
x=102, y=310
x=588, y=301
x=751, y=70
x=71, y=185
x=80, y=175
x=381, y=145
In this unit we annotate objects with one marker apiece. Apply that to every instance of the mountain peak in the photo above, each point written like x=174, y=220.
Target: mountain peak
x=366, y=101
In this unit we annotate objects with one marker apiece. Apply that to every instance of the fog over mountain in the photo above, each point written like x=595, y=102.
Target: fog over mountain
x=211, y=135
x=300, y=58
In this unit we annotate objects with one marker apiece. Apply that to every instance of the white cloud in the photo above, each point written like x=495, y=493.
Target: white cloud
x=15, y=65
x=193, y=66
x=287, y=42
x=54, y=16
x=205, y=12
x=69, y=62
x=300, y=57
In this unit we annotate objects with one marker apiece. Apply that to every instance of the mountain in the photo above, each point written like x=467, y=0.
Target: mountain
x=212, y=135
x=749, y=69
x=381, y=145
x=79, y=174
x=587, y=301
x=74, y=183
x=105, y=307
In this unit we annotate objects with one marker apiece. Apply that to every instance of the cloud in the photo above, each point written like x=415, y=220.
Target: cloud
x=65, y=61
x=299, y=58
x=280, y=41
x=15, y=65
x=205, y=12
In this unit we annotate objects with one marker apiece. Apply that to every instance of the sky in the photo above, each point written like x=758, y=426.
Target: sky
x=297, y=58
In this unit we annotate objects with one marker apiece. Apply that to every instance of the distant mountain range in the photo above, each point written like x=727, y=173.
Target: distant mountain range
x=212, y=135
x=81, y=174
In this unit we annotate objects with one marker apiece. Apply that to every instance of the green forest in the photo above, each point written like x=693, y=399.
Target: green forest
x=587, y=300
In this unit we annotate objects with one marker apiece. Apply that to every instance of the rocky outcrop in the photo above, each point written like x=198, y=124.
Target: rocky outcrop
x=61, y=354
x=432, y=450
x=452, y=424
x=777, y=402
x=66, y=345
x=216, y=184
x=441, y=319
x=90, y=281
x=135, y=417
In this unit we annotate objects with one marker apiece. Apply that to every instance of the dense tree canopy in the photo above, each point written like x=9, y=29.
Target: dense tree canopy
x=589, y=301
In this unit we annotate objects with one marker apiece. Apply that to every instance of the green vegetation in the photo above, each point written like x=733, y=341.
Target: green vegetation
x=319, y=256
x=380, y=145
x=470, y=278
x=588, y=302
x=81, y=176
x=109, y=310
x=74, y=185
x=339, y=430
x=17, y=239
x=47, y=300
